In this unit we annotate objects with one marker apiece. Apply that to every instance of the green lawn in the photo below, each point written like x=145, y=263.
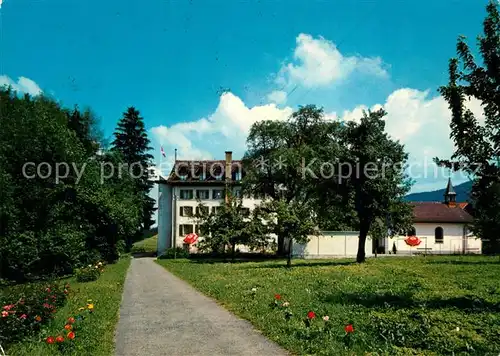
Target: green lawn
x=398, y=306
x=146, y=245
x=96, y=334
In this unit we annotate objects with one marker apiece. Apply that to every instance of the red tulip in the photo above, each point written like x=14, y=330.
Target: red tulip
x=311, y=315
x=277, y=296
x=71, y=320
x=59, y=339
x=49, y=340
x=71, y=335
x=67, y=327
x=349, y=328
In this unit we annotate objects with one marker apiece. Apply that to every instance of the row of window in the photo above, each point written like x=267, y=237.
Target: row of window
x=217, y=176
x=185, y=229
x=188, y=210
x=204, y=194
x=438, y=234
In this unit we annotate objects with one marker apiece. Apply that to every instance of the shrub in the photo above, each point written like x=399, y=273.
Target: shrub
x=179, y=251
x=25, y=308
x=89, y=273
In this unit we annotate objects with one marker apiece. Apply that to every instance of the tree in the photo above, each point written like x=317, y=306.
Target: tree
x=132, y=142
x=230, y=225
x=51, y=224
x=276, y=152
x=370, y=177
x=294, y=219
x=478, y=146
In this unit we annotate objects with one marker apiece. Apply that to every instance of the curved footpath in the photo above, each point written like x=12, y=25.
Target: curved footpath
x=161, y=314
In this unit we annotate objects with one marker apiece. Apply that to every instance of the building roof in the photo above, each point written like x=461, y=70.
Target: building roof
x=437, y=212
x=449, y=189
x=210, y=172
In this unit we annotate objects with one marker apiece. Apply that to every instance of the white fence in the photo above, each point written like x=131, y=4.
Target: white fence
x=331, y=244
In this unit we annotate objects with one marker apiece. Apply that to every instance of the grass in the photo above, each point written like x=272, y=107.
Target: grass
x=146, y=246
x=95, y=336
x=435, y=305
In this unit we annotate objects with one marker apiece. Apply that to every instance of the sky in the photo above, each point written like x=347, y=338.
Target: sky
x=173, y=60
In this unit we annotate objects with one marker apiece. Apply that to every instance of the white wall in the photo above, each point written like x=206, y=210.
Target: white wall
x=453, y=240
x=332, y=244
x=246, y=202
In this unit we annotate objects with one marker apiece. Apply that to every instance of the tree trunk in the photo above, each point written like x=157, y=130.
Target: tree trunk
x=363, y=233
x=289, y=255
x=233, y=251
x=281, y=245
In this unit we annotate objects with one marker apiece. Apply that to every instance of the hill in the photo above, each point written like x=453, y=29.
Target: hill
x=462, y=190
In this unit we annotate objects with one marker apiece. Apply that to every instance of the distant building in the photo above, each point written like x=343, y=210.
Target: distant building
x=192, y=182
x=443, y=227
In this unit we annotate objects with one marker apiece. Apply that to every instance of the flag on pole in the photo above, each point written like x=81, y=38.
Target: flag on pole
x=163, y=152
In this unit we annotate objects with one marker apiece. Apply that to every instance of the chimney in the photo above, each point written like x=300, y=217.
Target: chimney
x=229, y=161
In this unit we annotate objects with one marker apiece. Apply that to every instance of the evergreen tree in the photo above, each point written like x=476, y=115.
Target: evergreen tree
x=132, y=142
x=478, y=146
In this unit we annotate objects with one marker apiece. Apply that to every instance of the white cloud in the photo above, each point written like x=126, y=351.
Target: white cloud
x=318, y=63
x=23, y=85
x=277, y=96
x=208, y=138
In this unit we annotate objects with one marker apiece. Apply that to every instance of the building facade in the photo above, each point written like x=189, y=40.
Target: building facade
x=189, y=184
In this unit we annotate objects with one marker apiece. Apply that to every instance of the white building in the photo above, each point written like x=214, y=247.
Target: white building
x=442, y=226
x=190, y=183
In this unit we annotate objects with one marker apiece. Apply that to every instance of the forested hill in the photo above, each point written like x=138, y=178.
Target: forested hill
x=462, y=190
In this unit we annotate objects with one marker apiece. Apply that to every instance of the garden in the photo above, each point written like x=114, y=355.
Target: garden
x=434, y=305
x=67, y=316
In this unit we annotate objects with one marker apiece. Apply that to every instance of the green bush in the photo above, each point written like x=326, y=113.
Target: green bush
x=25, y=308
x=178, y=251
x=88, y=274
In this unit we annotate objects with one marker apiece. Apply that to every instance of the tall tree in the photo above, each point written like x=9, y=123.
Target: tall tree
x=478, y=146
x=276, y=152
x=369, y=178
x=132, y=142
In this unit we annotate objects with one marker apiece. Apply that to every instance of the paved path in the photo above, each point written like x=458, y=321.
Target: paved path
x=163, y=315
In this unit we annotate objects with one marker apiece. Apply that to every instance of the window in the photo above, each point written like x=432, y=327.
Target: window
x=202, y=210
x=439, y=235
x=202, y=194
x=218, y=194
x=200, y=230
x=245, y=211
x=237, y=193
x=186, y=194
x=186, y=211
x=412, y=232
x=215, y=209
x=185, y=229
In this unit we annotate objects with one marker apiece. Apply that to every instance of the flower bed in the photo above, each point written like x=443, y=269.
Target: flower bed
x=90, y=273
x=27, y=307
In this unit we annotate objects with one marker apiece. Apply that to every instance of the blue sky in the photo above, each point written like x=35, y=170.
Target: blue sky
x=170, y=58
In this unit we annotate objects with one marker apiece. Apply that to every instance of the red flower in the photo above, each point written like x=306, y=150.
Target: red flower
x=67, y=327
x=277, y=296
x=23, y=316
x=311, y=315
x=60, y=339
x=47, y=290
x=8, y=307
x=71, y=335
x=349, y=328
x=49, y=340
x=46, y=305
x=71, y=320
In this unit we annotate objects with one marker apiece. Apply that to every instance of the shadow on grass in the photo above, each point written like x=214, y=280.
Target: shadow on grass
x=465, y=263
x=270, y=262
x=404, y=300
x=143, y=254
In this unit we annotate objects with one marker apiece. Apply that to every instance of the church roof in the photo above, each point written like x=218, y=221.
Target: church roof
x=437, y=212
x=449, y=189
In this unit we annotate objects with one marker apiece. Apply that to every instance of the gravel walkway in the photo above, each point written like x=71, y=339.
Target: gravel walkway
x=162, y=315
